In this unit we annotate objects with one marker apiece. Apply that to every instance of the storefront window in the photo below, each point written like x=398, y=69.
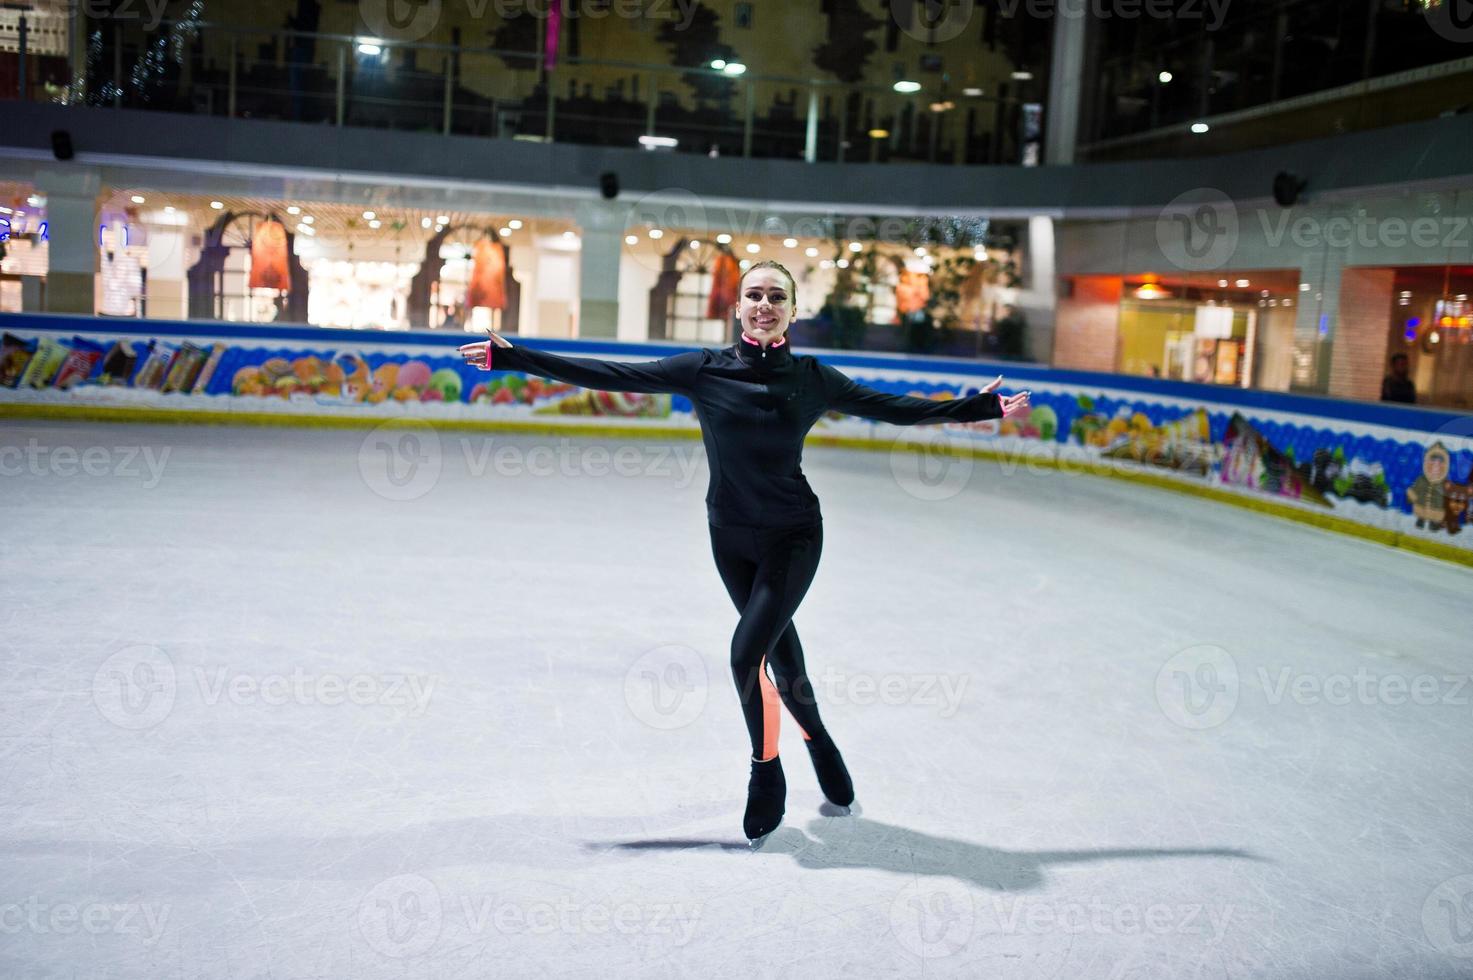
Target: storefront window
x=1229, y=328
x=1430, y=322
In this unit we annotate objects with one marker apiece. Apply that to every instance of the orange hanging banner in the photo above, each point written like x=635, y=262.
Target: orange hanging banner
x=726, y=276
x=268, y=257
x=488, y=276
x=912, y=292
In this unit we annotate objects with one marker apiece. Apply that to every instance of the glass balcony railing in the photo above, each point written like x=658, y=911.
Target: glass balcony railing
x=210, y=69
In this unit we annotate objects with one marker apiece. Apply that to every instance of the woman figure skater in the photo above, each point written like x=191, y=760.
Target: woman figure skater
x=756, y=400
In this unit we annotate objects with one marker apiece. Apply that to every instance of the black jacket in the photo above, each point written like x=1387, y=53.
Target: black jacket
x=755, y=406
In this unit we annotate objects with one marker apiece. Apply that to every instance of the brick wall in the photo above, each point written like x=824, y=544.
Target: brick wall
x=1087, y=325
x=1358, y=355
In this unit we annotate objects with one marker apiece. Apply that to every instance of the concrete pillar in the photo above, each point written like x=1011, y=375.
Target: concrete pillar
x=1061, y=127
x=72, y=198
x=602, y=223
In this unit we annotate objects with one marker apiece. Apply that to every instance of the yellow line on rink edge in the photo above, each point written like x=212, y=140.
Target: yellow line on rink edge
x=1330, y=522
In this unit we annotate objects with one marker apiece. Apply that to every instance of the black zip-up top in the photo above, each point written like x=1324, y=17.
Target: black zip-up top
x=755, y=406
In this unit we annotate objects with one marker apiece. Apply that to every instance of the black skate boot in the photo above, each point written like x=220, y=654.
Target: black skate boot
x=833, y=776
x=767, y=791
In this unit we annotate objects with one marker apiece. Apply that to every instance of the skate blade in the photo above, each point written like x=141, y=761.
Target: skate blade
x=827, y=809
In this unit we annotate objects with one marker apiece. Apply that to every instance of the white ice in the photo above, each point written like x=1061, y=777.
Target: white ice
x=276, y=705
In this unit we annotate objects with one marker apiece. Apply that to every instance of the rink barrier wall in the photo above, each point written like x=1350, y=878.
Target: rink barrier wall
x=1359, y=464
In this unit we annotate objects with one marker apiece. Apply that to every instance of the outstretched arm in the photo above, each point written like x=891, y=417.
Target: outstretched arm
x=852, y=398
x=675, y=374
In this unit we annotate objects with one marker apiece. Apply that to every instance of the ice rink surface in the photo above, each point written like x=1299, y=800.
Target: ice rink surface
x=302, y=704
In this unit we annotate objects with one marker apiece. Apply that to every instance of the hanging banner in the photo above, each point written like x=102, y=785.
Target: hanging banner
x=268, y=257
x=912, y=291
x=726, y=276
x=488, y=276
x=554, y=32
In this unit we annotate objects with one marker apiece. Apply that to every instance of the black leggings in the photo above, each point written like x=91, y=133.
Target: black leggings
x=768, y=571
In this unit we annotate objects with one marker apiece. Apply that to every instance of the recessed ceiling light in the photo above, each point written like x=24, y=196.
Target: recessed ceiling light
x=811, y=252
x=137, y=199
x=723, y=239
x=307, y=219
x=293, y=209
x=1200, y=127
x=790, y=243
x=657, y=233
x=217, y=205
x=855, y=247
x=503, y=232
x=375, y=224
x=753, y=248
x=443, y=219
x=515, y=224
x=631, y=239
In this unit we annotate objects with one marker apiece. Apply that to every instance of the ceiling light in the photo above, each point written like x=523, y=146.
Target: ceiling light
x=569, y=234
x=906, y=87
x=369, y=215
x=375, y=224
x=217, y=205
x=1164, y=78
x=790, y=243
x=658, y=142
x=1242, y=284
x=855, y=247
x=443, y=219
x=695, y=243
x=753, y=248
x=723, y=239
x=503, y=232
x=657, y=233
x=811, y=252
x=293, y=209
x=1200, y=127
x=973, y=92
x=734, y=68
x=843, y=263
x=879, y=134
x=1022, y=76
x=137, y=199
x=631, y=239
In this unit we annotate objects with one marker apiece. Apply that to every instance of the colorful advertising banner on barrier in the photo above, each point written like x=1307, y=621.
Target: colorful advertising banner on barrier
x=1399, y=470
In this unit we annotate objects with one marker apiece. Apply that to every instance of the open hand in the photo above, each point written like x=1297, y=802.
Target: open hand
x=1011, y=404
x=479, y=353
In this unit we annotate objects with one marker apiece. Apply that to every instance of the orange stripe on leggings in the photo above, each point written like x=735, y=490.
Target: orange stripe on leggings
x=771, y=713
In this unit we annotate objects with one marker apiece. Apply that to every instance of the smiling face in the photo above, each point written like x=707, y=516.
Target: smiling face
x=765, y=304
